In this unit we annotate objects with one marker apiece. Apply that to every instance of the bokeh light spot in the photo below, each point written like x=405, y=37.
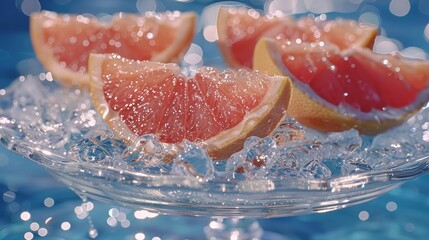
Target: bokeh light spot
x=30, y=6
x=385, y=45
x=426, y=32
x=111, y=221
x=210, y=33
x=363, y=215
x=286, y=6
x=49, y=202
x=409, y=227
x=25, y=216
x=399, y=8
x=34, y=226
x=140, y=236
x=42, y=232
x=9, y=196
x=65, y=226
x=28, y=235
x=146, y=5
x=391, y=206
x=370, y=18
x=414, y=52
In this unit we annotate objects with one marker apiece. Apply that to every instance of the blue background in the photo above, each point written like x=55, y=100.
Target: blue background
x=24, y=186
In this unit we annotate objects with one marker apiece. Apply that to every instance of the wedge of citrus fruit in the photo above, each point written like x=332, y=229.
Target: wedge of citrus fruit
x=63, y=42
x=240, y=28
x=219, y=108
x=335, y=90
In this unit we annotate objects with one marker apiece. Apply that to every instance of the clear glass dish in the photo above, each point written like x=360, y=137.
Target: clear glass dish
x=58, y=128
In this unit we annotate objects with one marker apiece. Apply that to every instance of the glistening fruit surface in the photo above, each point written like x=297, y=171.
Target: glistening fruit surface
x=64, y=42
x=220, y=108
x=335, y=90
x=240, y=28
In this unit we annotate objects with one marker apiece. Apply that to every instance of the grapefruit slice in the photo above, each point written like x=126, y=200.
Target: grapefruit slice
x=336, y=90
x=240, y=28
x=63, y=42
x=219, y=108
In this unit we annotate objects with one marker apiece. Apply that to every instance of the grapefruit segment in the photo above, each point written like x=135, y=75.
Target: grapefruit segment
x=240, y=28
x=219, y=108
x=336, y=90
x=344, y=33
x=63, y=42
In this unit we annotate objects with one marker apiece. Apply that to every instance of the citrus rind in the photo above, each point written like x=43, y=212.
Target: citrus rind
x=261, y=121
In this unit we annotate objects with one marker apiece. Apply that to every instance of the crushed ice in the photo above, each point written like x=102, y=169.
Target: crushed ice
x=41, y=115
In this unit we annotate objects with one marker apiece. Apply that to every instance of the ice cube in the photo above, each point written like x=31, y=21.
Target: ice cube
x=315, y=170
x=253, y=162
x=302, y=152
x=342, y=144
x=28, y=96
x=52, y=135
x=355, y=167
x=193, y=161
x=288, y=130
x=317, y=156
x=96, y=147
x=394, y=147
x=87, y=150
x=147, y=154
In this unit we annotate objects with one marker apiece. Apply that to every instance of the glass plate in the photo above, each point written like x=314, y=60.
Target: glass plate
x=57, y=128
x=49, y=124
